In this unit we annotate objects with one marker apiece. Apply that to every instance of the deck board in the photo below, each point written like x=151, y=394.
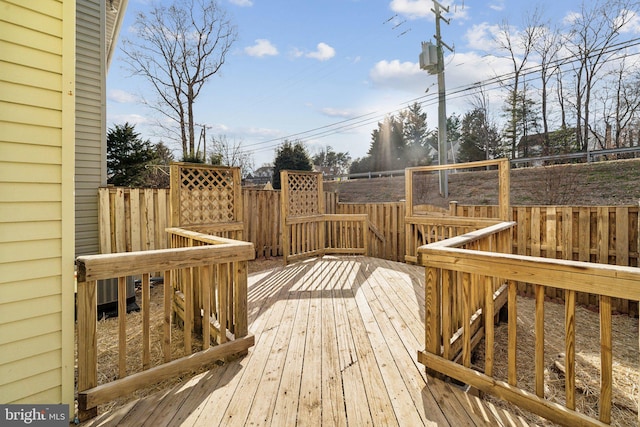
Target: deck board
x=336, y=345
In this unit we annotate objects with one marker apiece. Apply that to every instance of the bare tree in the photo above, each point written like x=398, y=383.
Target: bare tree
x=592, y=39
x=627, y=100
x=487, y=129
x=177, y=49
x=230, y=153
x=518, y=46
x=547, y=47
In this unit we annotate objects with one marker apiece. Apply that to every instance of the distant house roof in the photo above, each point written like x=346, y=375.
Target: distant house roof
x=538, y=138
x=264, y=171
x=326, y=170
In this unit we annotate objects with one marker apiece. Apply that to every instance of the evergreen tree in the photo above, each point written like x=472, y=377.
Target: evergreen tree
x=157, y=172
x=290, y=156
x=387, y=149
x=453, y=135
x=416, y=133
x=477, y=136
x=361, y=165
x=327, y=158
x=127, y=156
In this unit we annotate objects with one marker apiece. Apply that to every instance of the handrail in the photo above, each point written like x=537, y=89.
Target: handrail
x=171, y=262
x=470, y=237
x=421, y=230
x=478, y=268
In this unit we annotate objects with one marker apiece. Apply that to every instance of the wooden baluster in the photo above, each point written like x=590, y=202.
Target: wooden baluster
x=146, y=340
x=188, y=311
x=122, y=327
x=539, y=345
x=512, y=305
x=466, y=319
x=488, y=310
x=446, y=313
x=205, y=285
x=570, y=347
x=223, y=286
x=606, y=362
x=168, y=307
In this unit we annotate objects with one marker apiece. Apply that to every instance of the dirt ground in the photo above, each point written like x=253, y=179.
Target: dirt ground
x=612, y=183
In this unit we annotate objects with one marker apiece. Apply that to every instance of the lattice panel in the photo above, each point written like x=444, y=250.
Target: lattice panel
x=303, y=194
x=206, y=195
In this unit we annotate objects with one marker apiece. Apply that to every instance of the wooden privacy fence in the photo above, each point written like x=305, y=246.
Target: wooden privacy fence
x=133, y=219
x=201, y=266
x=476, y=271
x=597, y=234
x=600, y=234
x=387, y=222
x=136, y=219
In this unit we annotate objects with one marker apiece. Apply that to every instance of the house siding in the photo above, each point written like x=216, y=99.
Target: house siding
x=90, y=122
x=37, y=91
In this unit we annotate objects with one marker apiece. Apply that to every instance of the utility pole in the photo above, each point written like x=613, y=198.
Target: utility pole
x=436, y=66
x=203, y=138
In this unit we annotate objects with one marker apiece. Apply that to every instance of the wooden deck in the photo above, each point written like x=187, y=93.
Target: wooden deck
x=336, y=344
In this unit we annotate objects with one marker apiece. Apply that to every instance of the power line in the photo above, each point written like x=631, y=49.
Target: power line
x=491, y=83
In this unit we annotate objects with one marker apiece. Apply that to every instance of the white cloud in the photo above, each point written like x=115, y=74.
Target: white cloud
x=260, y=132
x=632, y=23
x=263, y=47
x=497, y=5
x=296, y=53
x=122, y=97
x=398, y=75
x=242, y=3
x=133, y=119
x=414, y=9
x=482, y=36
x=323, y=52
x=335, y=112
x=571, y=18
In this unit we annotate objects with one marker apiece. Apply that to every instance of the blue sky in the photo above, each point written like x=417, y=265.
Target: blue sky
x=327, y=71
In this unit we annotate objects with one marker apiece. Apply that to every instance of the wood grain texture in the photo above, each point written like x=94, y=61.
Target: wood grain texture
x=336, y=342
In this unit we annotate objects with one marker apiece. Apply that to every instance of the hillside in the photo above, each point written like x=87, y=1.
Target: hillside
x=612, y=183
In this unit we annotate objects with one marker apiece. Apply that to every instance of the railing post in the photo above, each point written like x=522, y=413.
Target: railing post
x=433, y=335
x=453, y=208
x=168, y=309
x=87, y=344
x=240, y=313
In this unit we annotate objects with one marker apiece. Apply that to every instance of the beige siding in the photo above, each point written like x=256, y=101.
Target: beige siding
x=90, y=123
x=37, y=91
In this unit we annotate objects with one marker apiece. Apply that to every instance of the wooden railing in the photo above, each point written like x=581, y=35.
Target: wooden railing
x=318, y=235
x=455, y=302
x=200, y=262
x=423, y=230
x=211, y=297
x=477, y=270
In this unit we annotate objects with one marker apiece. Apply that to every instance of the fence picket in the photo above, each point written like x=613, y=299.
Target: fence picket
x=597, y=234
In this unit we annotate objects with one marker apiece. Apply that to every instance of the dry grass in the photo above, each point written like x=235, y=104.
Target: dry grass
x=626, y=375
